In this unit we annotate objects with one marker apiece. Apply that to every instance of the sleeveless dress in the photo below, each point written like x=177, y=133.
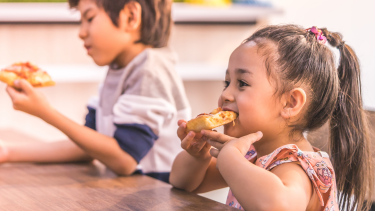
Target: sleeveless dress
x=316, y=165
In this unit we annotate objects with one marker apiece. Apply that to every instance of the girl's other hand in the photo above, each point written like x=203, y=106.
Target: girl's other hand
x=193, y=142
x=220, y=141
x=27, y=99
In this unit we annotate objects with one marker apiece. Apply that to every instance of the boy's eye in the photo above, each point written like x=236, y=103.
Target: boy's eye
x=242, y=83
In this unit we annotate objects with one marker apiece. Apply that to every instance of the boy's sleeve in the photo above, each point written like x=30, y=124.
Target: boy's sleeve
x=91, y=115
x=139, y=121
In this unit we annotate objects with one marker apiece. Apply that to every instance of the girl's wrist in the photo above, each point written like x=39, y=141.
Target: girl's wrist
x=226, y=154
x=203, y=158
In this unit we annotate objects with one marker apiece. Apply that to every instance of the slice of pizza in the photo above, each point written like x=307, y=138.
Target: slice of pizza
x=25, y=70
x=216, y=118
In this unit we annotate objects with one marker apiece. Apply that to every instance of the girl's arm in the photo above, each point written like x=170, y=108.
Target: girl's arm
x=286, y=187
x=194, y=169
x=96, y=145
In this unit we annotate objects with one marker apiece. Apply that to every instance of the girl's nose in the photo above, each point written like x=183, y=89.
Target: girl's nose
x=227, y=95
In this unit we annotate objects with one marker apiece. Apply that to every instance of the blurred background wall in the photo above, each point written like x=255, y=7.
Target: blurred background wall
x=203, y=49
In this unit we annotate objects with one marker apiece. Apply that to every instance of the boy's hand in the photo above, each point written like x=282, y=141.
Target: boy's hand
x=27, y=99
x=4, y=153
x=193, y=142
x=220, y=141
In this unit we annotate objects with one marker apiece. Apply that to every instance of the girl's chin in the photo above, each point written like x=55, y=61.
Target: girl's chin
x=229, y=130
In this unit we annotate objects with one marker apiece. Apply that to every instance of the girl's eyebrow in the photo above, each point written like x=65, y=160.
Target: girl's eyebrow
x=243, y=71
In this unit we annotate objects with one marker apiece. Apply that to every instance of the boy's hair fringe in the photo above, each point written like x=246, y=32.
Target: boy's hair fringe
x=156, y=18
x=334, y=95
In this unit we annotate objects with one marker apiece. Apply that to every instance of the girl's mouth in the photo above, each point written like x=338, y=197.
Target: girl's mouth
x=228, y=109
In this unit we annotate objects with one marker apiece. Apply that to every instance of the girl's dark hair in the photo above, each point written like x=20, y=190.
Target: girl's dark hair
x=334, y=94
x=156, y=18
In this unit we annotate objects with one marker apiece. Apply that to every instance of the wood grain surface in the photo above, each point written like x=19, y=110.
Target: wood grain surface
x=88, y=186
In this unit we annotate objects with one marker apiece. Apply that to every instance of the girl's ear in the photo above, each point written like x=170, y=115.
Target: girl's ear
x=293, y=102
x=130, y=17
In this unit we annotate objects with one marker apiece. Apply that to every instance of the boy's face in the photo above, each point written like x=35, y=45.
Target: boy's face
x=103, y=40
x=249, y=93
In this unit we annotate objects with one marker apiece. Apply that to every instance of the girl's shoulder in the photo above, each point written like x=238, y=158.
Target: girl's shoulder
x=309, y=161
x=316, y=165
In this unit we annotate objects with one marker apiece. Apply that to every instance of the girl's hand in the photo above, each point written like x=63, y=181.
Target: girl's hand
x=193, y=142
x=27, y=99
x=220, y=141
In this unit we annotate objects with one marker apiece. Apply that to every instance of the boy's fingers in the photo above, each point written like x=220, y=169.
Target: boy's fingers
x=216, y=136
x=24, y=86
x=13, y=93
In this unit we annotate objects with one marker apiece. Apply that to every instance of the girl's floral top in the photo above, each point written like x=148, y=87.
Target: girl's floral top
x=316, y=165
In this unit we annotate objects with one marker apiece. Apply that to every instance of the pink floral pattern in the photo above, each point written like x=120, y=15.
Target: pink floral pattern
x=316, y=165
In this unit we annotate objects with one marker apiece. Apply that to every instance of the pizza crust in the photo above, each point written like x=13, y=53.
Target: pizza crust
x=209, y=121
x=8, y=77
x=35, y=76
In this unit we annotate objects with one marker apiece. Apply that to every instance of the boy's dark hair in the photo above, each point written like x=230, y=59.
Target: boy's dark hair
x=294, y=57
x=156, y=18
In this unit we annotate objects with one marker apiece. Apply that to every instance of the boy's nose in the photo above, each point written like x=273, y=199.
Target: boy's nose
x=82, y=33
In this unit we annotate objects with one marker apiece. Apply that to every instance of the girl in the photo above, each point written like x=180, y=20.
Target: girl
x=283, y=81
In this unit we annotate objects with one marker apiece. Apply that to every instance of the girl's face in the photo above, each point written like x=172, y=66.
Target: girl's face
x=249, y=93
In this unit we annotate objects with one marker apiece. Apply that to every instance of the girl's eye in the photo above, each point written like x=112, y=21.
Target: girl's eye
x=242, y=83
x=90, y=19
x=226, y=84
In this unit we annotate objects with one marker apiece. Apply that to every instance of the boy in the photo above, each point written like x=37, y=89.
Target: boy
x=131, y=126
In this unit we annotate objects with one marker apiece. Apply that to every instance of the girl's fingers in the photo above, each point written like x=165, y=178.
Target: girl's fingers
x=218, y=137
x=186, y=142
x=252, y=138
x=180, y=122
x=198, y=146
x=214, y=152
x=217, y=145
x=181, y=131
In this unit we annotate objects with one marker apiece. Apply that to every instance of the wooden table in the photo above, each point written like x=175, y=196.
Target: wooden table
x=89, y=186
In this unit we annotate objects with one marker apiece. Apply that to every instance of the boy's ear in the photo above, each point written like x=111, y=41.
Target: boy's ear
x=130, y=16
x=293, y=102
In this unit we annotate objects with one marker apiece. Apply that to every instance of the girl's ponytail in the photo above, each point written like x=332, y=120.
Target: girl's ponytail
x=350, y=145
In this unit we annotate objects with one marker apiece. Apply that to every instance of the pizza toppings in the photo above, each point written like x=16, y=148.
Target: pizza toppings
x=26, y=70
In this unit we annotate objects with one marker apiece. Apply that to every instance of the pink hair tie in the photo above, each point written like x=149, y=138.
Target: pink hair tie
x=318, y=34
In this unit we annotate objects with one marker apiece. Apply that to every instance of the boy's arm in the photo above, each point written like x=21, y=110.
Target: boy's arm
x=96, y=145
x=43, y=152
x=99, y=146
